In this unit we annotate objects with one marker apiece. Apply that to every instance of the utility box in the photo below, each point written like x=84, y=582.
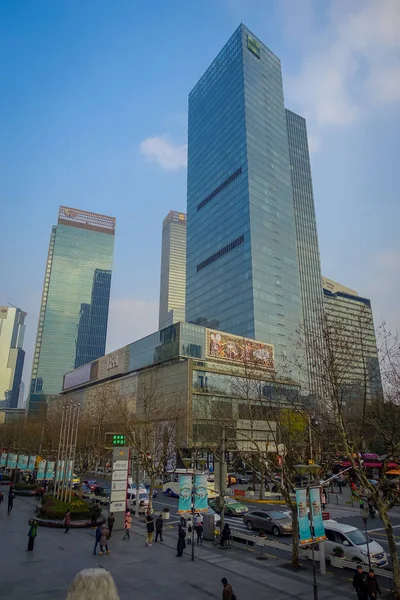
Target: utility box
x=208, y=527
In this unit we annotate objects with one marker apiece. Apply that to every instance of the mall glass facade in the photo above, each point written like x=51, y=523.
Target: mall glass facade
x=74, y=310
x=242, y=270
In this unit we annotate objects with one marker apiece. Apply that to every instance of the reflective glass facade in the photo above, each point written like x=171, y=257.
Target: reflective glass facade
x=74, y=311
x=12, y=356
x=242, y=269
x=173, y=270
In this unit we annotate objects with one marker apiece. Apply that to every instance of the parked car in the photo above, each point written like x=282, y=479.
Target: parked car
x=155, y=493
x=232, y=507
x=354, y=544
x=102, y=490
x=242, y=479
x=274, y=521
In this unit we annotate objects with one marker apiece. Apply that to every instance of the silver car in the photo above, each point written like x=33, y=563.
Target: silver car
x=275, y=521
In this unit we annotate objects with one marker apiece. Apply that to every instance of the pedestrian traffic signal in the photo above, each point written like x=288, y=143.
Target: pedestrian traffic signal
x=118, y=439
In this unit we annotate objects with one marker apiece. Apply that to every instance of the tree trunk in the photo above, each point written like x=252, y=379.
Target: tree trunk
x=262, y=485
x=151, y=494
x=392, y=548
x=295, y=538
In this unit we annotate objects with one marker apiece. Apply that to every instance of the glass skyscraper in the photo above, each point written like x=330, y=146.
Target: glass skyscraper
x=173, y=270
x=12, y=355
x=242, y=259
x=73, y=316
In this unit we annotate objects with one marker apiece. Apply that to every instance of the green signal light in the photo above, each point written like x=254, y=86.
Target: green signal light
x=118, y=440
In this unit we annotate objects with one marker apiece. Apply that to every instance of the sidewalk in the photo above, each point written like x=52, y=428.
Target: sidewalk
x=143, y=573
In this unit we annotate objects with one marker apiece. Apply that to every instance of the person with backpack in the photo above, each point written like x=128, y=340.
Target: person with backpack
x=150, y=529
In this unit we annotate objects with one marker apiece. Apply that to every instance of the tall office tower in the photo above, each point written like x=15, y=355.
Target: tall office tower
x=12, y=356
x=173, y=270
x=242, y=271
x=307, y=248
x=74, y=309
x=353, y=343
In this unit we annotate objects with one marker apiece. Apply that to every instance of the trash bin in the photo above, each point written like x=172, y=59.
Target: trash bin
x=208, y=527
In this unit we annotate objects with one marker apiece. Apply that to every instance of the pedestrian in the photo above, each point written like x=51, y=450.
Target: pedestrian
x=190, y=529
x=150, y=529
x=199, y=530
x=128, y=523
x=1, y=497
x=181, y=545
x=323, y=499
x=225, y=535
x=11, y=497
x=159, y=528
x=67, y=520
x=227, y=591
x=97, y=536
x=95, y=512
x=104, y=534
x=32, y=533
x=372, y=585
x=359, y=584
x=111, y=521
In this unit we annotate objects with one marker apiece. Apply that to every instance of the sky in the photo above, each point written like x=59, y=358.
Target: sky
x=93, y=115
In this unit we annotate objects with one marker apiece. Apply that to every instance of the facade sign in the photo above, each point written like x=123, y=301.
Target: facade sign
x=185, y=494
x=201, y=494
x=253, y=45
x=116, y=507
x=234, y=348
x=302, y=516
x=118, y=485
x=112, y=361
x=77, y=377
x=318, y=523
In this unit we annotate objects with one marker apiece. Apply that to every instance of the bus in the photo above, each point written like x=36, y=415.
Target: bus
x=171, y=483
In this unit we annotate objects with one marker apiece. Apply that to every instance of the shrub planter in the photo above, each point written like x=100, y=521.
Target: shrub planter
x=60, y=524
x=24, y=492
x=337, y=561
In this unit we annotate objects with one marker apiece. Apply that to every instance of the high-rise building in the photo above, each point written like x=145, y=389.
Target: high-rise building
x=352, y=339
x=307, y=247
x=12, y=356
x=242, y=268
x=173, y=270
x=73, y=316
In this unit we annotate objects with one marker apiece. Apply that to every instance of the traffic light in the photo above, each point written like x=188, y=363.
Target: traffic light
x=118, y=439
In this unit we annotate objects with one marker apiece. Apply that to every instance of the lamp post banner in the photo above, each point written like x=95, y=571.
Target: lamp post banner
x=50, y=470
x=12, y=461
x=302, y=515
x=201, y=494
x=3, y=459
x=315, y=505
x=185, y=494
x=22, y=462
x=31, y=463
x=41, y=469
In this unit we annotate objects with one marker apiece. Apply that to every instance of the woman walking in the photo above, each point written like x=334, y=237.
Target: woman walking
x=67, y=520
x=104, y=539
x=150, y=529
x=181, y=545
x=32, y=533
x=128, y=523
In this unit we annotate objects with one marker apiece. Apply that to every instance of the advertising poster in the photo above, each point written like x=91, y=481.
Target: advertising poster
x=185, y=494
x=302, y=515
x=31, y=463
x=23, y=462
x=201, y=494
x=318, y=523
x=50, y=470
x=12, y=461
x=238, y=349
x=3, y=459
x=41, y=469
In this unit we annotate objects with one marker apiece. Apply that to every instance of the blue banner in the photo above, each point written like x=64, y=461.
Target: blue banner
x=60, y=470
x=31, y=463
x=3, y=459
x=185, y=494
x=318, y=522
x=50, y=470
x=23, y=462
x=41, y=469
x=201, y=493
x=302, y=515
x=12, y=461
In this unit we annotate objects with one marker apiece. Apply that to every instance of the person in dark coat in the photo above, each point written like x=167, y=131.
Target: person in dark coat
x=372, y=585
x=98, y=536
x=225, y=535
x=67, y=520
x=359, y=584
x=1, y=497
x=11, y=497
x=32, y=533
x=111, y=521
x=199, y=531
x=181, y=545
x=159, y=528
x=150, y=529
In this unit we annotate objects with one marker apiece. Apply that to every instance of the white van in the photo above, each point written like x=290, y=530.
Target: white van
x=354, y=544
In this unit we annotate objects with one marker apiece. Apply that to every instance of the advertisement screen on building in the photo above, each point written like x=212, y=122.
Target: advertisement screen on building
x=238, y=349
x=77, y=377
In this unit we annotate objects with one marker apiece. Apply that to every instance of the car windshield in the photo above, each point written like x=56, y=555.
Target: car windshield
x=277, y=515
x=230, y=501
x=357, y=537
x=143, y=496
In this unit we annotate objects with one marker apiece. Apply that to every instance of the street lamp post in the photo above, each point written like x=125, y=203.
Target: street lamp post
x=364, y=516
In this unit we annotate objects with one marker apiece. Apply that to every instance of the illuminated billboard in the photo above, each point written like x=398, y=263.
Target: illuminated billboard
x=239, y=349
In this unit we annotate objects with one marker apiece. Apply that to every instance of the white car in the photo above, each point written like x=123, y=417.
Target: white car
x=354, y=544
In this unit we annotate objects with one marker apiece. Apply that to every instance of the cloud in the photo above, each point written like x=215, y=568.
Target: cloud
x=351, y=65
x=130, y=320
x=164, y=152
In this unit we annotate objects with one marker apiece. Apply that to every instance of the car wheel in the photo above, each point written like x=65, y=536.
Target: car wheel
x=275, y=531
x=357, y=560
x=249, y=525
x=230, y=513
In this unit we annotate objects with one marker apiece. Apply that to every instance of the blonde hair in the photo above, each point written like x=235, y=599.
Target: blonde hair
x=93, y=584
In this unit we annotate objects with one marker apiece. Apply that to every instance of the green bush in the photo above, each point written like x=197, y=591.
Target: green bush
x=25, y=486
x=52, y=508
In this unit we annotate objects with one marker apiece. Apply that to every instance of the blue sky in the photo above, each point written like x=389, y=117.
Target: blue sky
x=93, y=114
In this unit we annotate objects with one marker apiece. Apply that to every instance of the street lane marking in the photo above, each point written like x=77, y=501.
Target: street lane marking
x=381, y=528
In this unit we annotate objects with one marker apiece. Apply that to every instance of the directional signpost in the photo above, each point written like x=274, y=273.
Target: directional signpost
x=119, y=482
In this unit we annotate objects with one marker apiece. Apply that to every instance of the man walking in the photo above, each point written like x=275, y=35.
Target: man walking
x=98, y=537
x=67, y=520
x=372, y=585
x=227, y=591
x=359, y=584
x=150, y=529
x=110, y=522
x=159, y=527
x=11, y=497
x=32, y=533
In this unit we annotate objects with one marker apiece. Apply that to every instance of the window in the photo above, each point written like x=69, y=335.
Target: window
x=220, y=253
x=219, y=189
